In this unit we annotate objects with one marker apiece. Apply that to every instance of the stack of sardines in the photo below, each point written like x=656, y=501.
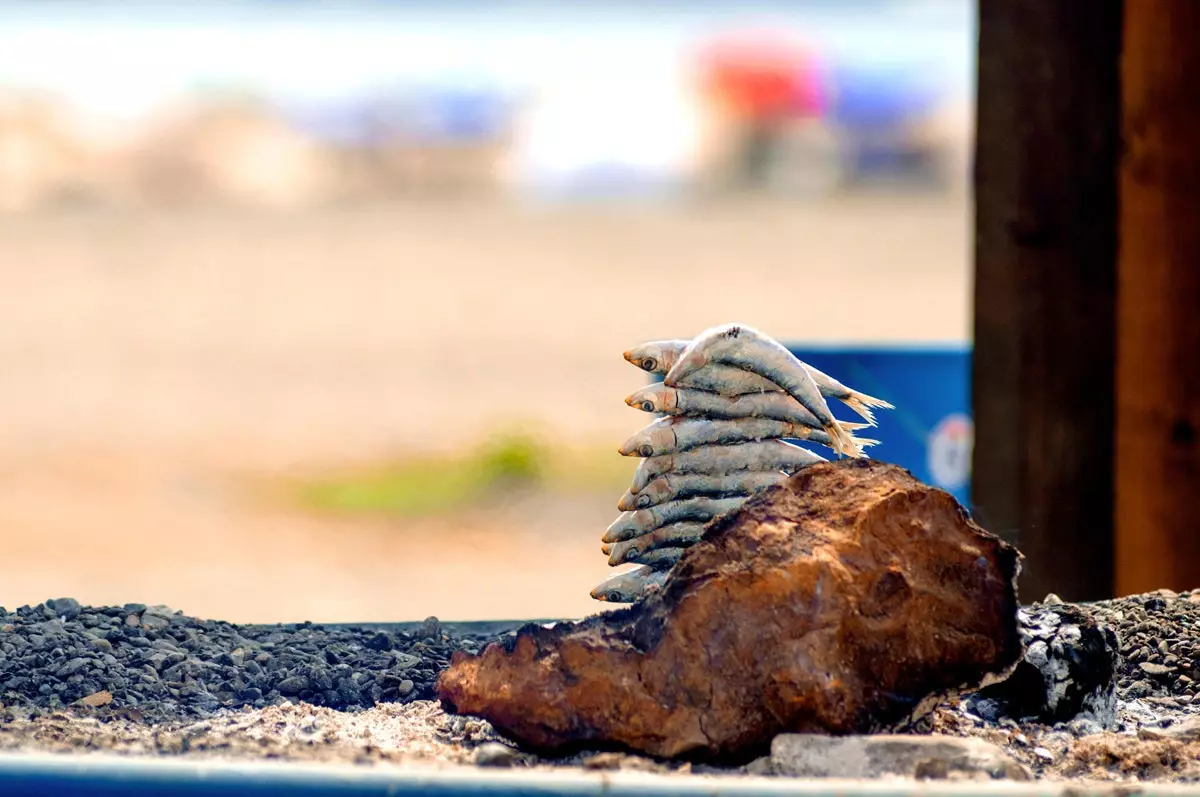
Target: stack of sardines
x=732, y=398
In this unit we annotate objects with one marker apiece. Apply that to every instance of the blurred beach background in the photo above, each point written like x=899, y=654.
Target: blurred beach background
x=315, y=311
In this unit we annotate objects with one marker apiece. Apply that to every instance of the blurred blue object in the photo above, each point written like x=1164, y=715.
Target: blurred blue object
x=879, y=97
x=930, y=432
x=456, y=113
x=876, y=108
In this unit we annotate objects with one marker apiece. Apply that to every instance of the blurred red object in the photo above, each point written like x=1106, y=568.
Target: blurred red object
x=762, y=76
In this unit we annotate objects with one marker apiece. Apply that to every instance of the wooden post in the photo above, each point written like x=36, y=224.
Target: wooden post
x=1047, y=140
x=1158, y=353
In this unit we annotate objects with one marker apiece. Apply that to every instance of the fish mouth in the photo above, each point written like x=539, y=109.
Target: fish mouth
x=630, y=357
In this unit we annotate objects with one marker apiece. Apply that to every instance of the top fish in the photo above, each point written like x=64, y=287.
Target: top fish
x=749, y=349
x=659, y=356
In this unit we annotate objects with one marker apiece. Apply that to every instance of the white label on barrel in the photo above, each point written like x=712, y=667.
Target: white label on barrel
x=948, y=452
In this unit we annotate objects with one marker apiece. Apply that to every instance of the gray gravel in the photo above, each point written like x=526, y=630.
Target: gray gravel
x=154, y=664
x=1159, y=637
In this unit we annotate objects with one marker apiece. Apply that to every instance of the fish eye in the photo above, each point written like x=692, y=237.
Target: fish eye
x=614, y=596
x=649, y=363
x=643, y=501
x=647, y=450
x=648, y=406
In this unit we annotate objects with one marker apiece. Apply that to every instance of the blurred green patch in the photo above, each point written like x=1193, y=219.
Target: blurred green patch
x=507, y=463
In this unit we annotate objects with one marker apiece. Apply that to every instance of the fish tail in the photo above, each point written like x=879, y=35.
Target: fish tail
x=861, y=404
x=851, y=426
x=843, y=442
x=865, y=442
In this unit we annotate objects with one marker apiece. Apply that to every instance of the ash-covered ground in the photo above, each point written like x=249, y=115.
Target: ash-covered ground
x=144, y=680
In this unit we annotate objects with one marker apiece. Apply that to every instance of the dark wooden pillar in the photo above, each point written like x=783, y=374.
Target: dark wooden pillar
x=1047, y=142
x=1158, y=353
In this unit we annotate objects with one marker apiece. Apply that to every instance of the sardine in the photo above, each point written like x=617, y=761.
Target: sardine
x=699, y=403
x=676, y=486
x=721, y=460
x=673, y=536
x=627, y=587
x=749, y=349
x=644, y=521
x=657, y=357
x=658, y=558
x=677, y=433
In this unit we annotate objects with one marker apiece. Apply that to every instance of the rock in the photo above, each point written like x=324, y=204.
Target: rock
x=494, y=754
x=878, y=595
x=67, y=608
x=1186, y=731
x=1068, y=671
x=96, y=699
x=431, y=628
x=380, y=641
x=292, y=686
x=1156, y=670
x=157, y=617
x=923, y=757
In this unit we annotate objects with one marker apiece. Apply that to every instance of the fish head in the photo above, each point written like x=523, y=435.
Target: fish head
x=628, y=501
x=652, y=398
x=657, y=356
x=618, y=589
x=655, y=439
x=626, y=523
x=623, y=552
x=656, y=492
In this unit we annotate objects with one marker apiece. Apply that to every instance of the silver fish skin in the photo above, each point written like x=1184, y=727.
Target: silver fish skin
x=657, y=357
x=700, y=403
x=677, y=433
x=678, y=486
x=720, y=460
x=673, y=536
x=627, y=587
x=747, y=348
x=658, y=558
x=643, y=521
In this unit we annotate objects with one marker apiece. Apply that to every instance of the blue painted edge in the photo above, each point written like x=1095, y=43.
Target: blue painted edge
x=105, y=774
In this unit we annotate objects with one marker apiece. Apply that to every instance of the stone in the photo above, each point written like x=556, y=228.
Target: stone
x=1150, y=668
x=67, y=608
x=1069, y=671
x=494, y=754
x=157, y=617
x=848, y=599
x=1187, y=730
x=293, y=685
x=923, y=757
x=96, y=699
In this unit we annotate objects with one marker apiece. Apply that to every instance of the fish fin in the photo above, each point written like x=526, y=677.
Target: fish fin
x=861, y=404
x=865, y=442
x=851, y=426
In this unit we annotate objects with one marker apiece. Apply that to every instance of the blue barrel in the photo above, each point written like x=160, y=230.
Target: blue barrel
x=930, y=432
